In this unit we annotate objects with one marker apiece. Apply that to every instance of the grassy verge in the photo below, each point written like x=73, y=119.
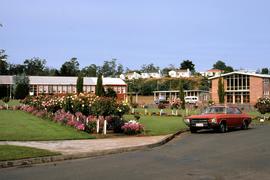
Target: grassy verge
x=9, y=152
x=21, y=126
x=160, y=125
x=11, y=102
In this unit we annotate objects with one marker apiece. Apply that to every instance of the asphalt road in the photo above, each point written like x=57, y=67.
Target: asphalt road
x=242, y=154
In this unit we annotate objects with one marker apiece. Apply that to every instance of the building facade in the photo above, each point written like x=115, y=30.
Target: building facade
x=180, y=73
x=63, y=85
x=241, y=87
x=212, y=72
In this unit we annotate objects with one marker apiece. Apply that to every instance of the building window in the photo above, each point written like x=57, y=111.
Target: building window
x=238, y=98
x=237, y=82
x=266, y=81
x=229, y=97
x=246, y=97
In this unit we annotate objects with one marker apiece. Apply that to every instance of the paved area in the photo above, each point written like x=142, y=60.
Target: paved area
x=234, y=155
x=71, y=147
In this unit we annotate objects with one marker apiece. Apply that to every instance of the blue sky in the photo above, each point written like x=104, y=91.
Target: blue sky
x=138, y=32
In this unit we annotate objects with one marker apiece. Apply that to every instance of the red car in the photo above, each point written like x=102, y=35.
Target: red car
x=219, y=118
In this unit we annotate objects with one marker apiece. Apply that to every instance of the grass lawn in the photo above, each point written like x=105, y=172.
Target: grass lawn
x=21, y=126
x=8, y=152
x=167, y=110
x=11, y=102
x=160, y=125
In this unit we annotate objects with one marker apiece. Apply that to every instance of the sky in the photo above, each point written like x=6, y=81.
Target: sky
x=138, y=32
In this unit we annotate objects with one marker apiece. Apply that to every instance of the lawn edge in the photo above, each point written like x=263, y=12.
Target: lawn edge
x=49, y=159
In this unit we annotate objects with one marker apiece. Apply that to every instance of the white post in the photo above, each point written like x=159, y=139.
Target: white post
x=105, y=127
x=176, y=112
x=97, y=125
x=145, y=111
x=161, y=111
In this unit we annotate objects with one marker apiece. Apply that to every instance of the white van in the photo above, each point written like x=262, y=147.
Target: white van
x=191, y=99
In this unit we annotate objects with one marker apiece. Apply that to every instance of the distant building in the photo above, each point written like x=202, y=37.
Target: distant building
x=180, y=73
x=64, y=85
x=241, y=87
x=130, y=76
x=212, y=73
x=203, y=96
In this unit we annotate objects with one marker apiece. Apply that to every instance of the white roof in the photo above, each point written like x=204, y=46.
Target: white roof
x=61, y=80
x=6, y=79
x=242, y=73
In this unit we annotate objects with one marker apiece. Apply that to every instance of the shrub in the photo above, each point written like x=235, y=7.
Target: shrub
x=263, y=105
x=161, y=106
x=134, y=105
x=116, y=124
x=132, y=127
x=104, y=106
x=137, y=117
x=121, y=109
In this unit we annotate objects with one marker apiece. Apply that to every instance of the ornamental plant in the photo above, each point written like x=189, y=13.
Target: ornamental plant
x=263, y=105
x=132, y=127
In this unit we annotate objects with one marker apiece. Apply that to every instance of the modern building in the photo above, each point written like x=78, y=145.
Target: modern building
x=180, y=73
x=63, y=85
x=203, y=96
x=241, y=87
x=212, y=72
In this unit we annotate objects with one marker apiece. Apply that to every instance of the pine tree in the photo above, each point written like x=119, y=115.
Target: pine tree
x=221, y=92
x=80, y=84
x=182, y=94
x=99, y=86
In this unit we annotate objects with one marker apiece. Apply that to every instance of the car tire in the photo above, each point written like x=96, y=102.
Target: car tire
x=193, y=130
x=244, y=125
x=222, y=127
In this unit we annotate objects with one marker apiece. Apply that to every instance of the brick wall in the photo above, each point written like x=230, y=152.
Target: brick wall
x=214, y=91
x=256, y=89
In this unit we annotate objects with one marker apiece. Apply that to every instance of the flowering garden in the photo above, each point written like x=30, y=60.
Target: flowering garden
x=85, y=112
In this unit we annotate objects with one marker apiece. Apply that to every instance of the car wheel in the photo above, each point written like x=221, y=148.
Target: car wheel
x=222, y=127
x=193, y=130
x=244, y=125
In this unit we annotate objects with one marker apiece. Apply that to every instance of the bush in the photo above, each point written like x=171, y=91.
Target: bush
x=161, y=106
x=137, y=117
x=132, y=127
x=263, y=105
x=115, y=124
x=104, y=106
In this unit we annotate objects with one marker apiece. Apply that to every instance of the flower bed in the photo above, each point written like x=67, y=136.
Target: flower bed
x=132, y=127
x=81, y=111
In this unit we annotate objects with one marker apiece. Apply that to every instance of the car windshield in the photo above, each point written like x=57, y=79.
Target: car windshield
x=214, y=110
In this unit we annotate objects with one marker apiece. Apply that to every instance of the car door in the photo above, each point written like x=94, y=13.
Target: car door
x=239, y=116
x=231, y=117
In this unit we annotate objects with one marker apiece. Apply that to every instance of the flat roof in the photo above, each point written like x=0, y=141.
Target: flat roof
x=242, y=73
x=173, y=91
x=63, y=80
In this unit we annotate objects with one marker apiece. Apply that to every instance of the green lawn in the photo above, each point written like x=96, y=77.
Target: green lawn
x=8, y=152
x=11, y=102
x=160, y=125
x=167, y=110
x=21, y=126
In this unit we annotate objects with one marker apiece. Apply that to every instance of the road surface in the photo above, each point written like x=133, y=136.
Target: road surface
x=242, y=154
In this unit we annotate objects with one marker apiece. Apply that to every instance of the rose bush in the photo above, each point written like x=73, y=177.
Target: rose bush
x=132, y=127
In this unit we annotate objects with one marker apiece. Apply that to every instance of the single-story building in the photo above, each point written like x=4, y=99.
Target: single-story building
x=203, y=96
x=241, y=87
x=63, y=85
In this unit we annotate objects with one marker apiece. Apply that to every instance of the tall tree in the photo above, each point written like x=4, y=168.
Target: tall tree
x=99, y=86
x=149, y=68
x=79, y=84
x=21, y=86
x=220, y=65
x=182, y=94
x=187, y=64
x=70, y=68
x=15, y=69
x=221, y=92
x=34, y=66
x=228, y=69
x=3, y=62
x=265, y=71
x=90, y=71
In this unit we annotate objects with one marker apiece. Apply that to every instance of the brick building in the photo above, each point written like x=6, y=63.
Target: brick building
x=63, y=85
x=241, y=87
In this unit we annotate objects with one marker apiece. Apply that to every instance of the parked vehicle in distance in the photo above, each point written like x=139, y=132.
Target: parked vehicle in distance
x=191, y=99
x=220, y=118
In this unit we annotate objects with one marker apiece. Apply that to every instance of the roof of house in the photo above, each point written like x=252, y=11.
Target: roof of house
x=61, y=80
x=215, y=70
x=243, y=73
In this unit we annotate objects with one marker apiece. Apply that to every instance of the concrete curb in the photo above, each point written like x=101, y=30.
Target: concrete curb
x=49, y=159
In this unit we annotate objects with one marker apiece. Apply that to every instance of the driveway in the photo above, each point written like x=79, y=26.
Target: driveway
x=234, y=155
